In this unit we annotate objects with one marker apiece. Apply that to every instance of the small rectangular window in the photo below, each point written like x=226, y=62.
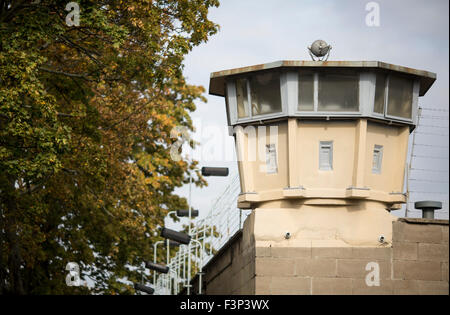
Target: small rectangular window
x=265, y=94
x=271, y=159
x=242, y=98
x=380, y=89
x=306, y=92
x=377, y=159
x=326, y=155
x=400, y=97
x=338, y=92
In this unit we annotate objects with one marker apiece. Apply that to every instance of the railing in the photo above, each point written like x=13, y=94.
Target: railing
x=223, y=220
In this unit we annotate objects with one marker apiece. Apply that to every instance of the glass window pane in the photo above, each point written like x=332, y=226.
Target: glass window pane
x=338, y=92
x=400, y=97
x=242, y=98
x=326, y=155
x=265, y=94
x=380, y=89
x=377, y=159
x=306, y=92
x=271, y=159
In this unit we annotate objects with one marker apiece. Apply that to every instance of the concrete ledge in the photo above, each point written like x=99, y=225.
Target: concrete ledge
x=313, y=193
x=424, y=221
x=294, y=192
x=354, y=192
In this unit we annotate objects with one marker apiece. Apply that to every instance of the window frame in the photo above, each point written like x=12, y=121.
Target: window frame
x=268, y=152
x=386, y=102
x=289, y=90
x=231, y=86
x=414, y=100
x=330, y=144
x=316, y=112
x=380, y=150
x=386, y=87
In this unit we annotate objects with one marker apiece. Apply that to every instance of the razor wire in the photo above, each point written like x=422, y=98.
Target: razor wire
x=428, y=172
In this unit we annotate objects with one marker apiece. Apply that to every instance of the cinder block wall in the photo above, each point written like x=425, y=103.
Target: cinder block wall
x=415, y=263
x=232, y=270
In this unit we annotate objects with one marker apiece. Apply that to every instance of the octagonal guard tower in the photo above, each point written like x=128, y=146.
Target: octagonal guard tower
x=322, y=147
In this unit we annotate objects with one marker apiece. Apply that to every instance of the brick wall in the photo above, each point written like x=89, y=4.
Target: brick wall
x=416, y=263
x=232, y=270
x=420, y=256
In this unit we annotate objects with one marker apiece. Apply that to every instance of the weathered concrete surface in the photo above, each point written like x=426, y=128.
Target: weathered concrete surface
x=416, y=262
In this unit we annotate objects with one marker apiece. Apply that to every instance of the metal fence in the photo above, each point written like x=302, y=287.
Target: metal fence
x=210, y=233
x=428, y=171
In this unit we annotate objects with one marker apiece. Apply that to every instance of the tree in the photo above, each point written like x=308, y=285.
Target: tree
x=86, y=114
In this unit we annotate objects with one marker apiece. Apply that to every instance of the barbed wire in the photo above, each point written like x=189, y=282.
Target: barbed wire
x=429, y=123
x=428, y=170
x=435, y=109
x=428, y=181
x=432, y=145
x=435, y=117
x=431, y=134
x=432, y=126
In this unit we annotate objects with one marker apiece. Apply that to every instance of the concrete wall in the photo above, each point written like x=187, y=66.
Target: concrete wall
x=232, y=270
x=415, y=263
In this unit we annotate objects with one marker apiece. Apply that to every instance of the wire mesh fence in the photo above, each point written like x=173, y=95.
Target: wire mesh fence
x=428, y=171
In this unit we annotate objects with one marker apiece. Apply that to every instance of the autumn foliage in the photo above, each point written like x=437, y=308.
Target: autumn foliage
x=86, y=114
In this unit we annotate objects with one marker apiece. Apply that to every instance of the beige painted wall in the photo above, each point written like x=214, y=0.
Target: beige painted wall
x=394, y=141
x=309, y=135
x=299, y=175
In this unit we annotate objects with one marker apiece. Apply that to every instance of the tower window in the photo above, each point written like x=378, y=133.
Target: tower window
x=380, y=93
x=306, y=92
x=265, y=94
x=271, y=159
x=242, y=98
x=377, y=159
x=326, y=155
x=400, y=95
x=338, y=92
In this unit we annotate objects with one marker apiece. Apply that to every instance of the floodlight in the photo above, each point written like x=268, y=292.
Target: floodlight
x=215, y=171
x=179, y=237
x=143, y=288
x=185, y=213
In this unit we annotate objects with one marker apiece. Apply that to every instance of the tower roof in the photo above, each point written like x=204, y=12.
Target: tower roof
x=217, y=80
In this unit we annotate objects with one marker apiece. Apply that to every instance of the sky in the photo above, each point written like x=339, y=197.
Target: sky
x=412, y=33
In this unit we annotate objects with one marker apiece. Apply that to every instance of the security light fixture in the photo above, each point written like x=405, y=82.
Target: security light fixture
x=157, y=267
x=185, y=213
x=179, y=237
x=143, y=288
x=215, y=171
x=174, y=244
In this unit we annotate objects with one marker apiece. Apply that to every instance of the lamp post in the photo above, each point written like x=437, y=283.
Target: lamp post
x=187, y=213
x=206, y=171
